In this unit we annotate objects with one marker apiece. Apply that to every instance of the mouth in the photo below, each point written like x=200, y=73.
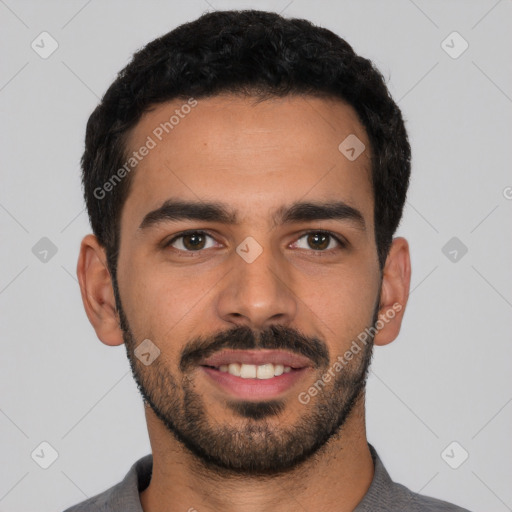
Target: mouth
x=252, y=371
x=255, y=375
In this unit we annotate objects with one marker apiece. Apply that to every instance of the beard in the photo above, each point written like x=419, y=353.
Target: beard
x=256, y=443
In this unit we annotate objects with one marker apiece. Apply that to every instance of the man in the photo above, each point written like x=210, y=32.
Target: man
x=244, y=176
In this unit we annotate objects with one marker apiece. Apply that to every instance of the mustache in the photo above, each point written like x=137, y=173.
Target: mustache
x=276, y=337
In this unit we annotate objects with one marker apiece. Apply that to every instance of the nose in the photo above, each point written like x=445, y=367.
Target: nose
x=257, y=293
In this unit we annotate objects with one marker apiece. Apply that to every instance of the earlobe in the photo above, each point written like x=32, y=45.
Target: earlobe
x=97, y=291
x=396, y=279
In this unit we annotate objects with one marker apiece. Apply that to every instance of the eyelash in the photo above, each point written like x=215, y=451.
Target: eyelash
x=342, y=244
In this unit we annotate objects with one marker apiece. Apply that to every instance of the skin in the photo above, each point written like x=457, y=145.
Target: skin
x=255, y=158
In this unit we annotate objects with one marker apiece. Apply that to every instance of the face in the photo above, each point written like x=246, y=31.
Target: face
x=248, y=258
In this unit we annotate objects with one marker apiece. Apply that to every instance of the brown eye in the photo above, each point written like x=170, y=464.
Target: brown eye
x=192, y=241
x=319, y=241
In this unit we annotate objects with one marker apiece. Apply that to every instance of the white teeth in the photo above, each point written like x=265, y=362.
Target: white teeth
x=248, y=371
x=252, y=371
x=234, y=369
x=265, y=371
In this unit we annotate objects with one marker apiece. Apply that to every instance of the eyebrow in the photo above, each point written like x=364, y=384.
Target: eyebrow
x=177, y=210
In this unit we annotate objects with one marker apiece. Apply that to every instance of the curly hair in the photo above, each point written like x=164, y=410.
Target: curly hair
x=251, y=53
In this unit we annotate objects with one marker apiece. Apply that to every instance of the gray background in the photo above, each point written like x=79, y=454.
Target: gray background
x=446, y=378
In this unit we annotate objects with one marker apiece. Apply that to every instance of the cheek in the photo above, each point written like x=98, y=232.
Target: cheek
x=343, y=301
x=161, y=302
x=164, y=303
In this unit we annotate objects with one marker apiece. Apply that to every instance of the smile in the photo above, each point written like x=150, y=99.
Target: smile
x=255, y=374
x=252, y=371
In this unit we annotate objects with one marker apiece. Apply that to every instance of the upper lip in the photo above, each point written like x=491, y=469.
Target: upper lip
x=257, y=357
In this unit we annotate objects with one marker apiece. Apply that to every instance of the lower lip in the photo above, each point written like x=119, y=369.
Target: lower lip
x=255, y=389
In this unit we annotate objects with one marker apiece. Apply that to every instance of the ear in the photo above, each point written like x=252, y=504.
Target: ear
x=396, y=279
x=97, y=291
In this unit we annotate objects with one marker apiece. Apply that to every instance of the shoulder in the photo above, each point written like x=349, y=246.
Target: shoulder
x=98, y=503
x=103, y=502
x=124, y=496
x=411, y=501
x=385, y=495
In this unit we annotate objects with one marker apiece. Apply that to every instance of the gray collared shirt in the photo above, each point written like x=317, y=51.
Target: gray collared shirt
x=384, y=495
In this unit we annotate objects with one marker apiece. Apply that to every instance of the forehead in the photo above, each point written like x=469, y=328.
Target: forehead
x=254, y=156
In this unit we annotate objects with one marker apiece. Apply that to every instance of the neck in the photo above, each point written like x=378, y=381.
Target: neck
x=335, y=478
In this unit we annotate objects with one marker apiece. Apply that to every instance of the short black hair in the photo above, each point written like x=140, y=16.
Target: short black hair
x=250, y=53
